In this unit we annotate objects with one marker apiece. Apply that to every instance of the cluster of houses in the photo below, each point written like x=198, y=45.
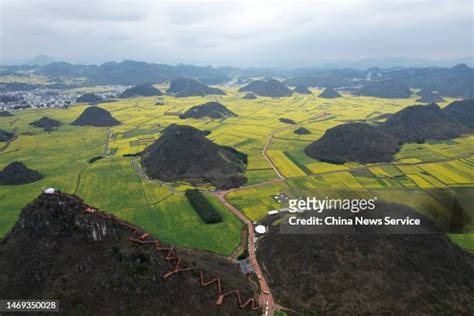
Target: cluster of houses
x=50, y=98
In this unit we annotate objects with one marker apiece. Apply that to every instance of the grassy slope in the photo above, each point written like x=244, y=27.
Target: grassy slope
x=114, y=185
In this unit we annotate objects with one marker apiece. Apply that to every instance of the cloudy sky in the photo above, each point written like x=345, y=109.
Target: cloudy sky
x=240, y=33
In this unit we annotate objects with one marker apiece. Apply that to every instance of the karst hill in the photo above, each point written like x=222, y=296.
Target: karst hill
x=17, y=173
x=368, y=272
x=329, y=93
x=184, y=153
x=267, y=88
x=95, y=116
x=368, y=143
x=89, y=98
x=61, y=245
x=213, y=110
x=143, y=90
x=187, y=87
x=389, y=89
x=46, y=123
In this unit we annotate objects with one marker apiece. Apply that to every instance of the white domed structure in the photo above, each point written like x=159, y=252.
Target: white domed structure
x=260, y=229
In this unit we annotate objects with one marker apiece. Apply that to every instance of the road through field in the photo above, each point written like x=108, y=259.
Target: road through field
x=269, y=141
x=267, y=158
x=144, y=177
x=106, y=147
x=266, y=297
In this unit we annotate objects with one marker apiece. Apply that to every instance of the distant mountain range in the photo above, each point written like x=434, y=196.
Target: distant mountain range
x=457, y=81
x=361, y=64
x=389, y=62
x=41, y=60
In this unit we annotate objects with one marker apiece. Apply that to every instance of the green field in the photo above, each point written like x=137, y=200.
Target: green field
x=114, y=184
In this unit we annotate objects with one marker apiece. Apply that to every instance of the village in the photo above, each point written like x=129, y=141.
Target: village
x=46, y=97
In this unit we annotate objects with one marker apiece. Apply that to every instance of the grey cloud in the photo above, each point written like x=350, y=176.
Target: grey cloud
x=85, y=10
x=245, y=33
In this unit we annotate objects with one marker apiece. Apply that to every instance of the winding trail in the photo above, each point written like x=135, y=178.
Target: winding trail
x=136, y=164
x=106, y=147
x=78, y=180
x=266, y=298
x=270, y=137
x=139, y=169
x=269, y=160
x=141, y=237
x=242, y=244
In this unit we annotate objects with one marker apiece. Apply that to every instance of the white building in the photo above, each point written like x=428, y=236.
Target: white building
x=260, y=229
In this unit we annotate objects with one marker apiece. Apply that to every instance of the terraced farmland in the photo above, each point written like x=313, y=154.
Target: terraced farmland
x=115, y=184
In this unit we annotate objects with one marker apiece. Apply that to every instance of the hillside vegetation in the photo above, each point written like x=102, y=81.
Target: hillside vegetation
x=213, y=110
x=462, y=112
x=143, y=90
x=354, y=142
x=373, y=273
x=46, y=123
x=95, y=116
x=186, y=87
x=115, y=184
x=329, y=93
x=249, y=96
x=17, y=173
x=89, y=98
x=5, y=135
x=418, y=123
x=429, y=97
x=184, y=153
x=366, y=143
x=269, y=88
x=302, y=89
x=89, y=257
x=384, y=89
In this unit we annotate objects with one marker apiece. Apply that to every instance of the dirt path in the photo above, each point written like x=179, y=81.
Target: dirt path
x=144, y=177
x=269, y=141
x=266, y=297
x=139, y=169
x=106, y=147
x=79, y=176
x=242, y=245
x=270, y=137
